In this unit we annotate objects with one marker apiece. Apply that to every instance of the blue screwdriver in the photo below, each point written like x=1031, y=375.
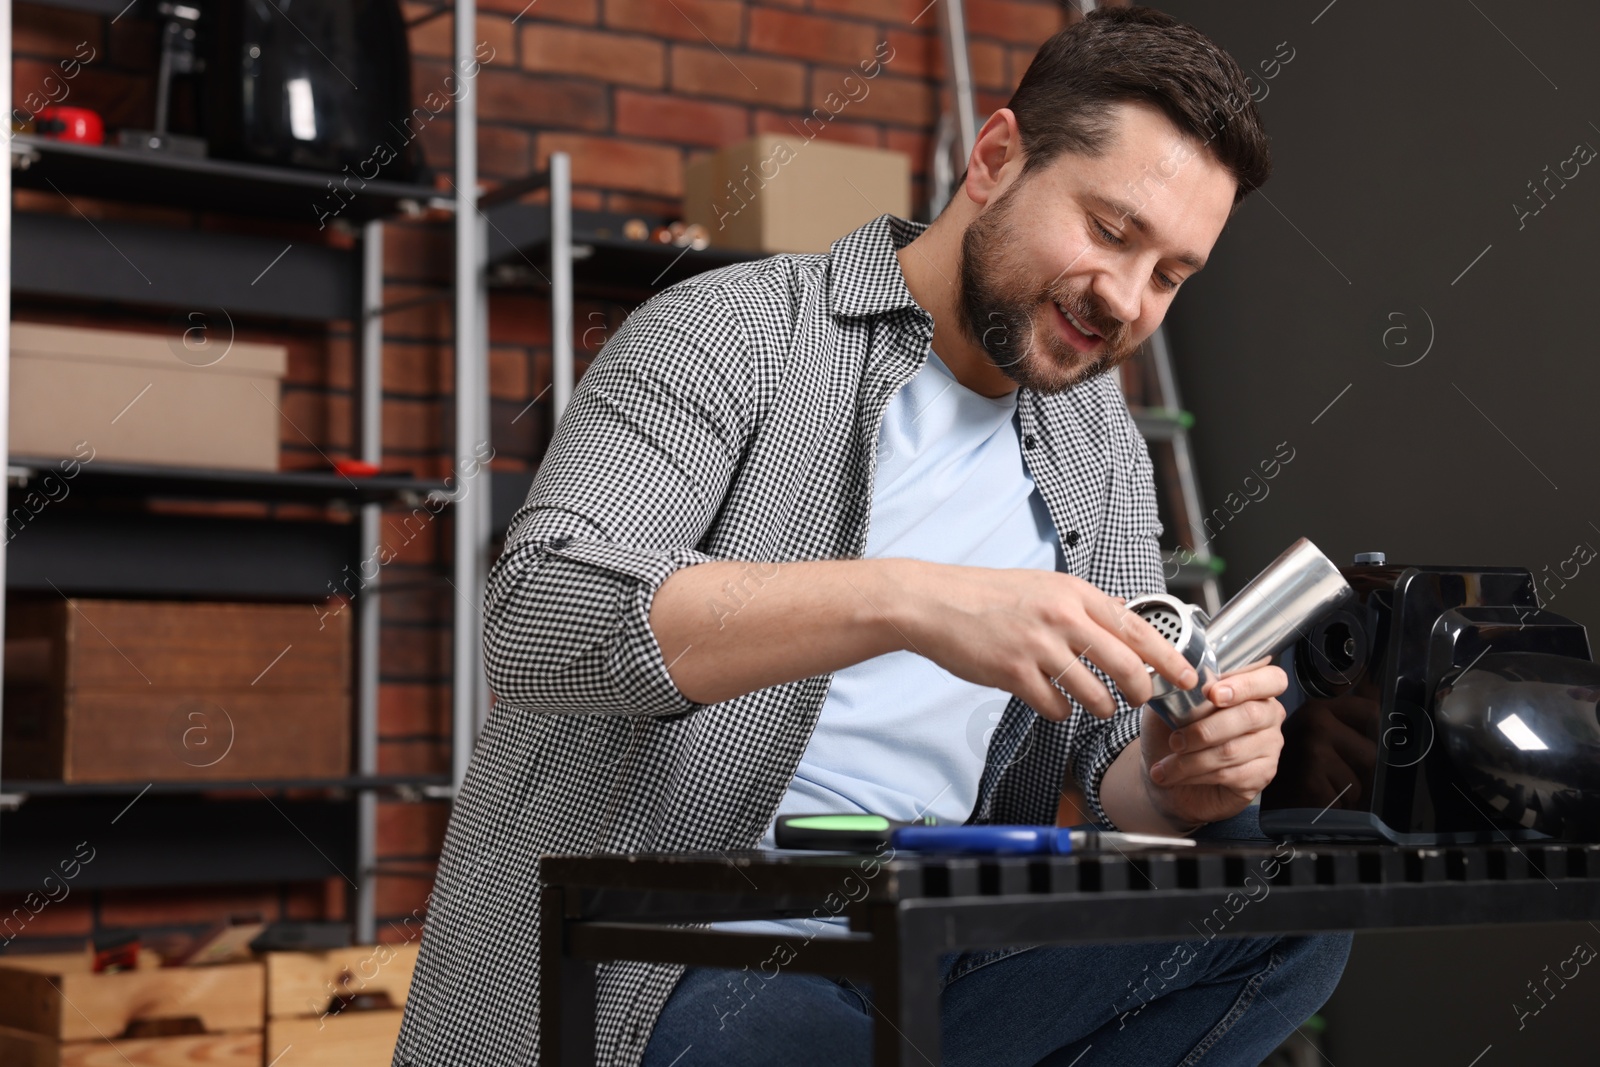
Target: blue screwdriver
x=1025, y=840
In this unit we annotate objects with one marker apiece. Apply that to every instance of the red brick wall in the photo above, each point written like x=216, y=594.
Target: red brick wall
x=633, y=89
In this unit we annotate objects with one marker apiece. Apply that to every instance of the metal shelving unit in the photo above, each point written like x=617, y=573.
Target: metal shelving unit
x=67, y=259
x=568, y=252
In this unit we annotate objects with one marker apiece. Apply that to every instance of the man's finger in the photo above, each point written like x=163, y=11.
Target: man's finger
x=1053, y=704
x=1122, y=664
x=1245, y=779
x=1183, y=768
x=1153, y=648
x=1082, y=683
x=1226, y=724
x=1251, y=683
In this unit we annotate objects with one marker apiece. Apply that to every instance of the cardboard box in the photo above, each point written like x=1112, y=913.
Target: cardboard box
x=301, y=987
x=144, y=398
x=55, y=1012
x=777, y=193
x=136, y=690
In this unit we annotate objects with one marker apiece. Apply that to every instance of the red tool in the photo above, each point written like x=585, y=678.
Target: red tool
x=65, y=123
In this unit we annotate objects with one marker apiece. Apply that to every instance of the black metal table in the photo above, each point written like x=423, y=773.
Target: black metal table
x=906, y=911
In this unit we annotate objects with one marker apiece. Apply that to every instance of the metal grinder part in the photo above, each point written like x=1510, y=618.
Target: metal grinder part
x=1274, y=608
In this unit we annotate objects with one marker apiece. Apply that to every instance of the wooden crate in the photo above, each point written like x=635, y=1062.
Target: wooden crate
x=300, y=988
x=55, y=1012
x=128, y=690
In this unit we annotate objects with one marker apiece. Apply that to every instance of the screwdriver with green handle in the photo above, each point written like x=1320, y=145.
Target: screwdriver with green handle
x=869, y=833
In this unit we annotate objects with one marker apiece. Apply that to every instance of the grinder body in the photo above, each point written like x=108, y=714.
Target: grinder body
x=1443, y=706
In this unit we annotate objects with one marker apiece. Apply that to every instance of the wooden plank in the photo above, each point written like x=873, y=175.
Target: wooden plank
x=303, y=983
x=19, y=1048
x=349, y=1039
x=239, y=1049
x=206, y=734
x=67, y=1002
x=182, y=644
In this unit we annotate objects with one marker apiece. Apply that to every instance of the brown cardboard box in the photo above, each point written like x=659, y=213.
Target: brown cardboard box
x=144, y=398
x=131, y=690
x=776, y=193
x=301, y=987
x=55, y=1012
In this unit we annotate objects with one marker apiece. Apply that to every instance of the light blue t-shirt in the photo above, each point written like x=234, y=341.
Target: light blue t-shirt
x=899, y=735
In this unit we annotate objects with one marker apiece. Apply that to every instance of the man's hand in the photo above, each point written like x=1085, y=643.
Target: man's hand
x=1214, y=767
x=1023, y=630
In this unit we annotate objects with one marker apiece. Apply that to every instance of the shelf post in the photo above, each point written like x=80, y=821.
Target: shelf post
x=5, y=299
x=561, y=309
x=482, y=498
x=369, y=413
x=471, y=384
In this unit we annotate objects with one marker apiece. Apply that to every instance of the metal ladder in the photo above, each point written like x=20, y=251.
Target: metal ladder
x=1191, y=566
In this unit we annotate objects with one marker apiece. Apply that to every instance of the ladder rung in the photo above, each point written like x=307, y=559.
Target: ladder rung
x=1161, y=424
x=1192, y=571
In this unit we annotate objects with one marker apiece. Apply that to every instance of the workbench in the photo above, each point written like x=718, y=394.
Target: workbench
x=905, y=911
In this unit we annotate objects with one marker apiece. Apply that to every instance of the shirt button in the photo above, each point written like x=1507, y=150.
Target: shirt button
x=1071, y=538
x=1028, y=441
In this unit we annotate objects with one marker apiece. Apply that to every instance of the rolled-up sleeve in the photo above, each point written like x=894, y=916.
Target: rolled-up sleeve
x=1127, y=563
x=634, y=476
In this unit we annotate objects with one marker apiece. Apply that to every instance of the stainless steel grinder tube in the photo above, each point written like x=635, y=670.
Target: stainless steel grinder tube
x=1271, y=611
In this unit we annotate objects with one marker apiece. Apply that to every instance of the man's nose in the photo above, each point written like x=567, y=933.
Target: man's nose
x=1119, y=291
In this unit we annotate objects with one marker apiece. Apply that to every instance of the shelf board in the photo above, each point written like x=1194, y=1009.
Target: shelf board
x=603, y=259
x=164, y=266
x=72, y=550
x=103, y=478
x=46, y=788
x=97, y=7
x=172, y=840
x=206, y=184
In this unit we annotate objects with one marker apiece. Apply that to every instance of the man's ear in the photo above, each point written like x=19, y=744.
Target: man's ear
x=999, y=144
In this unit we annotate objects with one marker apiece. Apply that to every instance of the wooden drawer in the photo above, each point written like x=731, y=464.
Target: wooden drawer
x=239, y=1048
x=304, y=983
x=349, y=1039
x=54, y=1002
x=126, y=690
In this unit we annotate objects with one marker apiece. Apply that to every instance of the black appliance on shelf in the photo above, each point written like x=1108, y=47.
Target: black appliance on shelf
x=317, y=84
x=1443, y=706
x=179, y=55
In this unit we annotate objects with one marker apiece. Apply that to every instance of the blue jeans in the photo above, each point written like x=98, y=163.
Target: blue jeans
x=1218, y=1000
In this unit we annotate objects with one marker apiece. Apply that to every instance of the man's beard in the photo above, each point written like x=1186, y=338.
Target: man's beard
x=1001, y=307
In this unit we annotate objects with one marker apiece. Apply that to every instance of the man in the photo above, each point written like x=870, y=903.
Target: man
x=804, y=520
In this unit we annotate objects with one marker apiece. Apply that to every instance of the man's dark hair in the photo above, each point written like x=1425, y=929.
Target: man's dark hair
x=1141, y=55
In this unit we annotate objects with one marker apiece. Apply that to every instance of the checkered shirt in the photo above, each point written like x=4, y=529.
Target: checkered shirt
x=732, y=416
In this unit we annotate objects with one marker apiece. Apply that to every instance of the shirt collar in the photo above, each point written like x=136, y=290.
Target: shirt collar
x=866, y=278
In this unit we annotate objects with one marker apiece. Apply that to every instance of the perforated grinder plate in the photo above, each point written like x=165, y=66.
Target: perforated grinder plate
x=1164, y=619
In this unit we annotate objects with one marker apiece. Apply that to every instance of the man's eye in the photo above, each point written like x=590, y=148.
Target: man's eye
x=1166, y=283
x=1105, y=234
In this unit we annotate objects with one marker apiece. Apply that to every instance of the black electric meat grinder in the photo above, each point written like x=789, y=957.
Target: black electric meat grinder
x=1444, y=706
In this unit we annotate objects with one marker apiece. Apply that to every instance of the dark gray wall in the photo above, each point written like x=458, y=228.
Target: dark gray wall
x=1403, y=134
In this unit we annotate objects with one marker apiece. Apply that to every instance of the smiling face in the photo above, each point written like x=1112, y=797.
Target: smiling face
x=1064, y=274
